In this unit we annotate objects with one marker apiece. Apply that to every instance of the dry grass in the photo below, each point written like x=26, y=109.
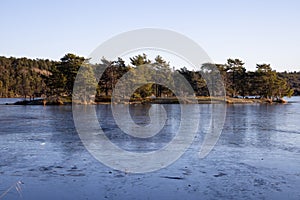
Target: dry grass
x=16, y=186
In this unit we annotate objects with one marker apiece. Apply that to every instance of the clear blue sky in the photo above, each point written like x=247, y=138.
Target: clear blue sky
x=255, y=31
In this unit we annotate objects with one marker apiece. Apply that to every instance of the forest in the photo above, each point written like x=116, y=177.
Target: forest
x=30, y=78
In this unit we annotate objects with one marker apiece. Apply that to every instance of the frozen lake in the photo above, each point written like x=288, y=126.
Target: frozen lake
x=256, y=157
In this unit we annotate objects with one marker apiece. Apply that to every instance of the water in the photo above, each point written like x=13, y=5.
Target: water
x=4, y=101
x=256, y=157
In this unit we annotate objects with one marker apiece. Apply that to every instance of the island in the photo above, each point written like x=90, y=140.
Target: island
x=48, y=82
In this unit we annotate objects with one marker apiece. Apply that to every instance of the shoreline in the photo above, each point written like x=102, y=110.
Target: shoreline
x=166, y=100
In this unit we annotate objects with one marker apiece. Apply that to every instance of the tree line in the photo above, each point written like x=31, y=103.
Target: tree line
x=29, y=78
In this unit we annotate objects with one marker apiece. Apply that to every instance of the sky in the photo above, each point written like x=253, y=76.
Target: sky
x=257, y=31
